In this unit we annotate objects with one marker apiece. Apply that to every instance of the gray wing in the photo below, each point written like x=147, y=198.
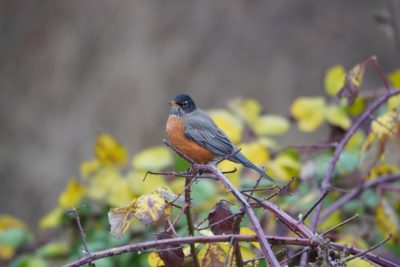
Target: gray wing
x=200, y=128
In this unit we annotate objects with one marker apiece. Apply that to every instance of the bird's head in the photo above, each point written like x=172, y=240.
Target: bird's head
x=182, y=104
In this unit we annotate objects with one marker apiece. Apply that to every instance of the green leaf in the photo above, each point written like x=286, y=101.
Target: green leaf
x=14, y=237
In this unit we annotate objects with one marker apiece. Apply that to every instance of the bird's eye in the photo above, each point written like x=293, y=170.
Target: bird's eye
x=185, y=104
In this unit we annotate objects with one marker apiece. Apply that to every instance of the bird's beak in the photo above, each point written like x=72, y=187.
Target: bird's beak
x=172, y=103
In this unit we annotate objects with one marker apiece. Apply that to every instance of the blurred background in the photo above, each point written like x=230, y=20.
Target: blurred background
x=72, y=69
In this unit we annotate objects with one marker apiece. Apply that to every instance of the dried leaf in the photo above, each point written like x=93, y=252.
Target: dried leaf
x=387, y=125
x=371, y=152
x=120, y=219
x=171, y=255
x=220, y=212
x=152, y=208
x=354, y=79
x=212, y=255
x=168, y=195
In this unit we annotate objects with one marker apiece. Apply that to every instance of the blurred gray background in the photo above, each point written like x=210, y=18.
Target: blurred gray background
x=72, y=69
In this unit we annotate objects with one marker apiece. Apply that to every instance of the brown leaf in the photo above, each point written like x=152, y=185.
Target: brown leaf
x=172, y=255
x=217, y=215
x=212, y=255
x=354, y=79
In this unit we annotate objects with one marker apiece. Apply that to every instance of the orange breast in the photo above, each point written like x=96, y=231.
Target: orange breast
x=177, y=138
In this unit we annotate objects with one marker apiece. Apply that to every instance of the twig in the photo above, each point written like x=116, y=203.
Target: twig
x=314, y=206
x=265, y=247
x=217, y=222
x=190, y=221
x=357, y=191
x=229, y=250
x=221, y=238
x=359, y=255
x=82, y=234
x=237, y=251
x=288, y=260
x=340, y=224
x=332, y=163
x=181, y=212
x=297, y=227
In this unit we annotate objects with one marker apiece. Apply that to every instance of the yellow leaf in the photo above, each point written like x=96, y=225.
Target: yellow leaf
x=394, y=78
x=152, y=208
x=9, y=221
x=386, y=125
x=333, y=219
x=52, y=219
x=272, y=125
x=249, y=231
x=356, y=75
x=154, y=260
x=334, y=79
x=387, y=221
x=284, y=167
x=140, y=187
x=355, y=241
x=357, y=107
x=6, y=252
x=269, y=143
x=356, y=140
x=109, y=151
x=381, y=170
x=89, y=167
x=247, y=109
x=72, y=194
x=309, y=112
x=337, y=116
x=371, y=152
x=393, y=102
x=120, y=219
x=256, y=152
x=168, y=195
x=231, y=125
x=154, y=158
x=101, y=183
x=120, y=193
x=212, y=255
x=234, y=177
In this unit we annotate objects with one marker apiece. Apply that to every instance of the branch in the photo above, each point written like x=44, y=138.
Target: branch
x=265, y=246
x=187, y=240
x=339, y=149
x=222, y=238
x=357, y=191
x=190, y=221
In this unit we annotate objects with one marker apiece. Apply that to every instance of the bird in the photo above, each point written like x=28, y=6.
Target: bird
x=192, y=132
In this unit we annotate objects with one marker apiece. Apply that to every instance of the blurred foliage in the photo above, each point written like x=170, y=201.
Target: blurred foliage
x=110, y=190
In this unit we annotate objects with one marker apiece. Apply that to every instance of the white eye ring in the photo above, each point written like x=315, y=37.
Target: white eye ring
x=185, y=104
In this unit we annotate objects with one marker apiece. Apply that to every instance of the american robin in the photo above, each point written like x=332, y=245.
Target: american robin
x=192, y=132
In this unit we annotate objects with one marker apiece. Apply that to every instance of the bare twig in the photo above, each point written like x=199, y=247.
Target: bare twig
x=236, y=230
x=181, y=212
x=360, y=254
x=314, y=206
x=357, y=191
x=190, y=221
x=340, y=224
x=332, y=163
x=82, y=234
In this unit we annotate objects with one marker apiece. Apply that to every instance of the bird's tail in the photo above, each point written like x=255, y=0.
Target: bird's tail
x=240, y=158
